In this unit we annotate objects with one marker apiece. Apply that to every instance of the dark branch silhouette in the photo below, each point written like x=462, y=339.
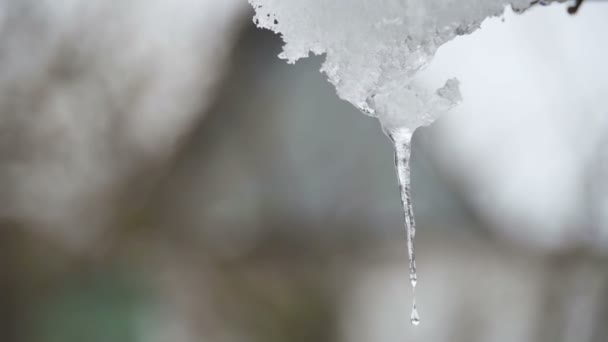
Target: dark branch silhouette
x=573, y=9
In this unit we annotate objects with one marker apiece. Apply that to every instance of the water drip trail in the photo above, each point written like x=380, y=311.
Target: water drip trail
x=402, y=139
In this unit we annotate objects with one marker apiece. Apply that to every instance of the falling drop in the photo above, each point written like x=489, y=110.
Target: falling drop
x=402, y=138
x=414, y=318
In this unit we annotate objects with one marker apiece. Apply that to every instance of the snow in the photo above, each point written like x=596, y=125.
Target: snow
x=373, y=53
x=374, y=49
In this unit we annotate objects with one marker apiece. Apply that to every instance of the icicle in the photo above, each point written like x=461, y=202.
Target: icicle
x=402, y=139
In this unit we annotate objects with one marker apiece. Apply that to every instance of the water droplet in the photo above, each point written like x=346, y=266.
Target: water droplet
x=414, y=318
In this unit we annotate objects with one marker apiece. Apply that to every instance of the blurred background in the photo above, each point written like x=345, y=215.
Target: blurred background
x=165, y=177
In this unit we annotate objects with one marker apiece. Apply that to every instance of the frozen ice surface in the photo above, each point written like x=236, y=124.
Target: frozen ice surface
x=375, y=48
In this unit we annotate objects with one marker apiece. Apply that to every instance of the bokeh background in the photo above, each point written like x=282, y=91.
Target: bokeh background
x=165, y=177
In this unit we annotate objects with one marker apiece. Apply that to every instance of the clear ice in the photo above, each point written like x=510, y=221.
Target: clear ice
x=402, y=140
x=373, y=52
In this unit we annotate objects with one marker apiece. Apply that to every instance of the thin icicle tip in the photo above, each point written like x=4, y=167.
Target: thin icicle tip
x=401, y=138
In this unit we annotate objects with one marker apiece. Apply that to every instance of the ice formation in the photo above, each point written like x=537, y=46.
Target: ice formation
x=374, y=48
x=373, y=51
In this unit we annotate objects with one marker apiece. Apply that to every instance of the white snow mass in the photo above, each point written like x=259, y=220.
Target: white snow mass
x=375, y=48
